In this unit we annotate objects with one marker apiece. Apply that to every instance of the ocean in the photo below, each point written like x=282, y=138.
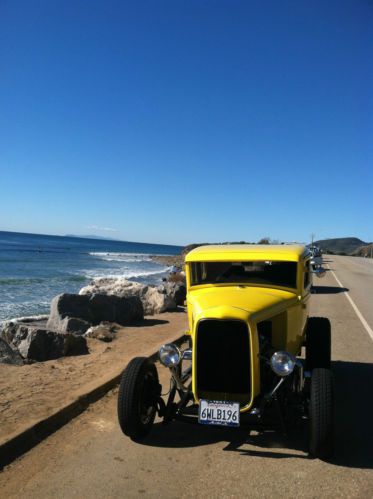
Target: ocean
x=35, y=268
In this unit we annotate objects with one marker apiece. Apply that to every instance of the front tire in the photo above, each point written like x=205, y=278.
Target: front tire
x=318, y=343
x=139, y=391
x=321, y=413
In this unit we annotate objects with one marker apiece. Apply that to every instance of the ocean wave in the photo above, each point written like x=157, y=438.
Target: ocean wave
x=75, y=278
x=123, y=257
x=92, y=274
x=17, y=281
x=27, y=308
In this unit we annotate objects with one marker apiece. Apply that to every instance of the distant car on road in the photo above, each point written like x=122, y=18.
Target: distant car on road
x=316, y=256
x=248, y=312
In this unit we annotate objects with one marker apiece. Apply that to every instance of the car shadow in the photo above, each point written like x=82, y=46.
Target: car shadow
x=353, y=414
x=328, y=290
x=149, y=322
x=274, y=443
x=353, y=434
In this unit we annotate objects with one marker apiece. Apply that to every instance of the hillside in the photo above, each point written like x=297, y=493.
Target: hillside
x=346, y=245
x=364, y=251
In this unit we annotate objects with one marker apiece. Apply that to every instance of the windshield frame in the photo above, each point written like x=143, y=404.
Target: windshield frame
x=289, y=285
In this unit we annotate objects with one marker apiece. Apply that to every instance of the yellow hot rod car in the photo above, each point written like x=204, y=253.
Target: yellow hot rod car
x=248, y=313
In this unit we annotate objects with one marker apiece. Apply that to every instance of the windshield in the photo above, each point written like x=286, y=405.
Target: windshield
x=274, y=273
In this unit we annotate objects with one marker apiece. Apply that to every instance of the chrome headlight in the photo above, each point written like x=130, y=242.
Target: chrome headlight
x=169, y=355
x=283, y=363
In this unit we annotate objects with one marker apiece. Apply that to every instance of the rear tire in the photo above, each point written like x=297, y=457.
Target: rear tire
x=318, y=343
x=321, y=413
x=139, y=391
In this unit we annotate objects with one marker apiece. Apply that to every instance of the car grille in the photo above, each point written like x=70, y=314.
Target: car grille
x=223, y=361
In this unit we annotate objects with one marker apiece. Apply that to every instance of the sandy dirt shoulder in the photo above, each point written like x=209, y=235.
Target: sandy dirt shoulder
x=32, y=392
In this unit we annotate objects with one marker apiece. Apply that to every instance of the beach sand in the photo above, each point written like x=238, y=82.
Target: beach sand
x=29, y=393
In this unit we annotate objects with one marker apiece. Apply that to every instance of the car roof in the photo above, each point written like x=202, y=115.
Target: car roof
x=247, y=252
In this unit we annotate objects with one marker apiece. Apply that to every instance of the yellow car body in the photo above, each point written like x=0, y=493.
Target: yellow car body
x=248, y=318
x=281, y=308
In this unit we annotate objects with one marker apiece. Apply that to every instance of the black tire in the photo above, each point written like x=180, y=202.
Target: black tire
x=139, y=391
x=321, y=413
x=318, y=343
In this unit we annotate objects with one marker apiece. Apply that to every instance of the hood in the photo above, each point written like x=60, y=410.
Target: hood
x=238, y=301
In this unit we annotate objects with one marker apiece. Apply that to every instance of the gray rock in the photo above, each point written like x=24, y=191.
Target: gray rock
x=128, y=309
x=68, y=305
x=76, y=313
x=75, y=345
x=175, y=290
x=73, y=325
x=14, y=332
x=38, y=343
x=103, y=307
x=8, y=355
x=103, y=332
x=42, y=345
x=154, y=301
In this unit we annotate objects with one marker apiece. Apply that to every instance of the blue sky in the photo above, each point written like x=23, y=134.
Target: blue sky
x=184, y=121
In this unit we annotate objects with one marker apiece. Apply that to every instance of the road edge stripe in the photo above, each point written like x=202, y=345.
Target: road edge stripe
x=354, y=306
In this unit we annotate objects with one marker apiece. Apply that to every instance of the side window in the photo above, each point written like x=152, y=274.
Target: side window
x=307, y=275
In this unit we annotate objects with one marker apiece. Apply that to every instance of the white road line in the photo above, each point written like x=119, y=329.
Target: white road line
x=358, y=313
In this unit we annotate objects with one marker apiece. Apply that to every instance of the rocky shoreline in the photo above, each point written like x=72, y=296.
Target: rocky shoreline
x=97, y=311
x=169, y=260
x=48, y=362
x=175, y=260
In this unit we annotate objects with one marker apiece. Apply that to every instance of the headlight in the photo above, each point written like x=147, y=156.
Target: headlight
x=283, y=363
x=169, y=355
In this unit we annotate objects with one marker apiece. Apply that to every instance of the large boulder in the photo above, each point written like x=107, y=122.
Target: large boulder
x=13, y=332
x=70, y=306
x=41, y=345
x=174, y=290
x=154, y=300
x=30, y=341
x=69, y=325
x=77, y=313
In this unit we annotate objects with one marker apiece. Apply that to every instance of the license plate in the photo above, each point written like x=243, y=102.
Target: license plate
x=219, y=413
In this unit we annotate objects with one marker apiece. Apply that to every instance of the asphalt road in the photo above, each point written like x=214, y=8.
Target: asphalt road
x=90, y=457
x=356, y=275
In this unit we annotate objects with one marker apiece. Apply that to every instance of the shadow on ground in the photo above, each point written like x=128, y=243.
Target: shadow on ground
x=328, y=290
x=353, y=427
x=149, y=322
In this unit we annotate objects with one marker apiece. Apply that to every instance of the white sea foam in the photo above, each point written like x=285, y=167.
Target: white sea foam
x=122, y=257
x=125, y=257
x=91, y=274
x=21, y=310
x=29, y=318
